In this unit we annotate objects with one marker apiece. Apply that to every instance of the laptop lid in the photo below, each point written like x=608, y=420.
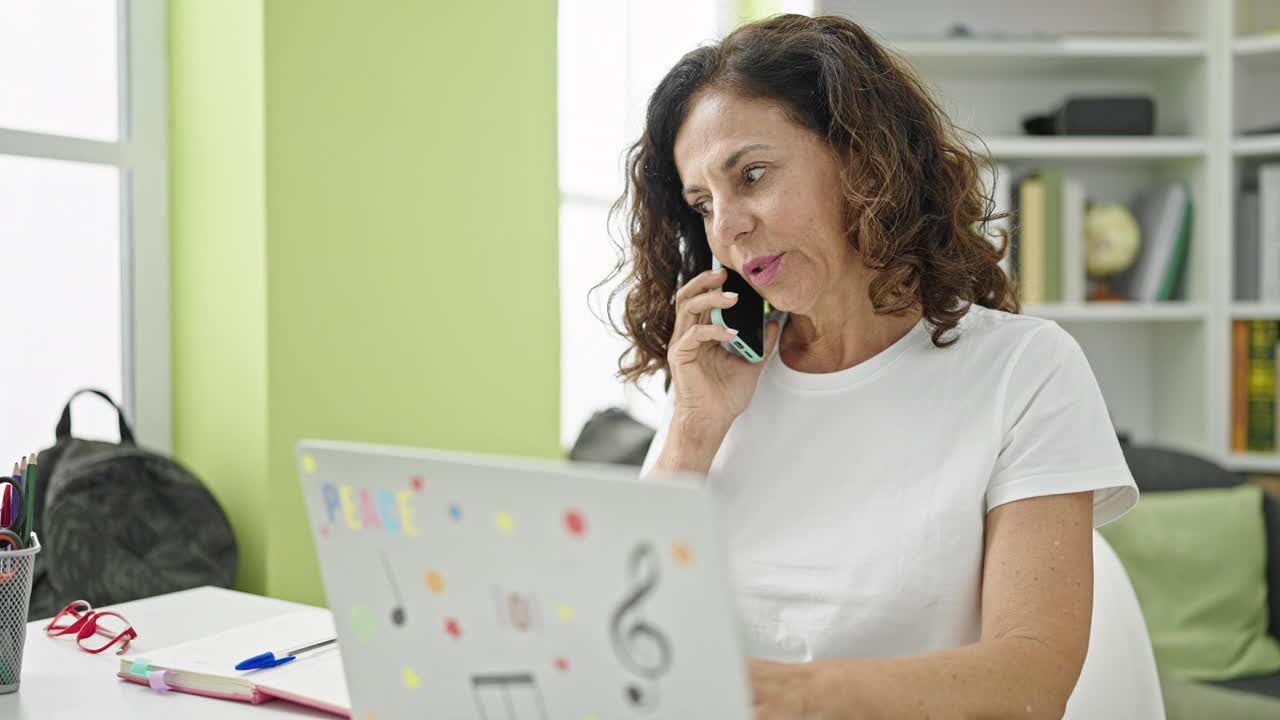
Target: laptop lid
x=466, y=586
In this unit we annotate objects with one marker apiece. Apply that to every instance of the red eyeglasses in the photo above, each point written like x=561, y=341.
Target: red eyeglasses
x=87, y=624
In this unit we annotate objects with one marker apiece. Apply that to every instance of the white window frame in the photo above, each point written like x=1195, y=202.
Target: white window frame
x=142, y=155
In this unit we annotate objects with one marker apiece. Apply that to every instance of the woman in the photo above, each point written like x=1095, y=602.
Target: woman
x=910, y=481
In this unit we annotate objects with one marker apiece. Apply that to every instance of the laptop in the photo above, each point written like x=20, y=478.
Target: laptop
x=472, y=586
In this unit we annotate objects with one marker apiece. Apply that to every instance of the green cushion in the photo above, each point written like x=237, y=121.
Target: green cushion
x=1197, y=560
x=1187, y=700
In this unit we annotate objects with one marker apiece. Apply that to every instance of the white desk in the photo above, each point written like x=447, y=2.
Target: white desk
x=59, y=680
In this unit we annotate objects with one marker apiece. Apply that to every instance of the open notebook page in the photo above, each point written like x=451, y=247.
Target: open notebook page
x=208, y=663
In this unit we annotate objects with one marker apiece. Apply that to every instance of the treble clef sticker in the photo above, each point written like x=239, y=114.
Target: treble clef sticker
x=640, y=646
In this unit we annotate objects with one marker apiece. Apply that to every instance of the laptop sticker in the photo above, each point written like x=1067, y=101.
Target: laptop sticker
x=575, y=523
x=641, y=647
x=505, y=522
x=511, y=696
x=397, y=610
x=435, y=583
x=363, y=623
x=682, y=553
x=517, y=610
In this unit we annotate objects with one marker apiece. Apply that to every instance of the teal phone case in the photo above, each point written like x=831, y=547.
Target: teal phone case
x=737, y=345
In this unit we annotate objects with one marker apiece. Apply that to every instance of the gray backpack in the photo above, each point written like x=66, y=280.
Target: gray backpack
x=118, y=523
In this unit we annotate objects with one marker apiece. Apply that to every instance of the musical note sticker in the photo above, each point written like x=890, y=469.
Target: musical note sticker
x=397, y=611
x=512, y=696
x=416, y=483
x=565, y=612
x=308, y=463
x=452, y=627
x=410, y=678
x=455, y=512
x=640, y=646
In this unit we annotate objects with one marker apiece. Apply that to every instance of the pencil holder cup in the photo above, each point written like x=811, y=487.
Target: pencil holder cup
x=16, y=570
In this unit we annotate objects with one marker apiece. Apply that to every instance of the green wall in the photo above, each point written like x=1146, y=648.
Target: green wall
x=410, y=267
x=218, y=262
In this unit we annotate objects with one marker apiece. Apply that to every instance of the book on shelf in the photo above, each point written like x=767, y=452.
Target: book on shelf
x=1268, y=219
x=1254, y=385
x=1031, y=239
x=1248, y=260
x=1240, y=385
x=1051, y=182
x=1048, y=207
x=1073, y=244
x=1165, y=219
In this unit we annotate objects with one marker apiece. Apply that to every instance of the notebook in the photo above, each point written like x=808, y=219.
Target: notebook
x=206, y=666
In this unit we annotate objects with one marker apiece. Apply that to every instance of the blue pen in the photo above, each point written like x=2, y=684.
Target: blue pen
x=273, y=658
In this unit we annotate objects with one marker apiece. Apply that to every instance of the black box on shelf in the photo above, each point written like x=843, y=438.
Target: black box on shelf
x=1111, y=115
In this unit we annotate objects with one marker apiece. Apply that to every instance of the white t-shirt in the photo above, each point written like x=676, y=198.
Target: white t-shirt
x=853, y=502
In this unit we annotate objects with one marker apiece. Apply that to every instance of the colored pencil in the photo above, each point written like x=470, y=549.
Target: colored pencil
x=29, y=500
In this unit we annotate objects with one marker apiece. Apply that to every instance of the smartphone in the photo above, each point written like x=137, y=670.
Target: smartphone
x=749, y=316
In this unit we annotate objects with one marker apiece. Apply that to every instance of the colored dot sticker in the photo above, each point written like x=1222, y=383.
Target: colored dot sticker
x=309, y=463
x=575, y=523
x=434, y=582
x=505, y=522
x=565, y=612
x=455, y=512
x=562, y=665
x=363, y=622
x=410, y=678
x=451, y=626
x=416, y=483
x=682, y=553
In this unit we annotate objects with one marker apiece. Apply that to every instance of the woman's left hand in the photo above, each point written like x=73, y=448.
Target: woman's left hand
x=784, y=691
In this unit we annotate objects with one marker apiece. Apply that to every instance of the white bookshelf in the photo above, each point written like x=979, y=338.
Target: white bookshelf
x=1256, y=46
x=1119, y=312
x=1262, y=145
x=1113, y=148
x=1213, y=69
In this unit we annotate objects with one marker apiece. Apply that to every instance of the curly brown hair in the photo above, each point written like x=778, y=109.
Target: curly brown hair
x=915, y=210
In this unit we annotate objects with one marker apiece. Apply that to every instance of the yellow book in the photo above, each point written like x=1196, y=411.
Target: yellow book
x=1031, y=245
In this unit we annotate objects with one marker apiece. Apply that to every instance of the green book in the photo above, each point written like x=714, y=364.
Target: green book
x=1177, y=262
x=1052, y=179
x=1262, y=385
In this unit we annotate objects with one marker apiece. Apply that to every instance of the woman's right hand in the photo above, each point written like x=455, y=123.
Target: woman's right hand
x=711, y=385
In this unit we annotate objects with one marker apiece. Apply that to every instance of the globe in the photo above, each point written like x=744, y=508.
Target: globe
x=1111, y=239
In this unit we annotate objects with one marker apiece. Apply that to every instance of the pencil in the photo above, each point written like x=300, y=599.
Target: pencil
x=20, y=482
x=29, y=500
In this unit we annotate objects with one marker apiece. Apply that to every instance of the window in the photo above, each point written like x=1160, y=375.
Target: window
x=83, y=217
x=611, y=56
